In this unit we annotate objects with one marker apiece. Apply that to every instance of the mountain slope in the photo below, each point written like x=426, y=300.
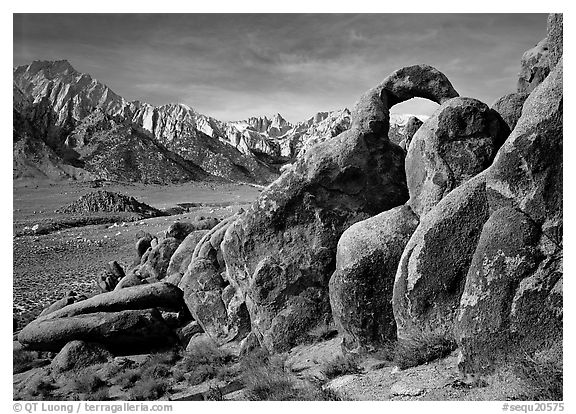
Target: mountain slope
x=74, y=126
x=55, y=98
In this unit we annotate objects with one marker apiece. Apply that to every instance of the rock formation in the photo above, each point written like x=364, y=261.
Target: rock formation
x=535, y=66
x=213, y=299
x=108, y=201
x=509, y=107
x=516, y=273
x=281, y=253
x=120, y=319
x=454, y=241
x=459, y=140
x=361, y=287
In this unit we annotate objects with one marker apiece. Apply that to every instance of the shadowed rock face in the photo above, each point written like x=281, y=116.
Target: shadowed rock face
x=484, y=267
x=535, y=66
x=281, y=253
x=361, y=287
x=505, y=254
x=433, y=266
x=125, y=331
x=509, y=107
x=123, y=320
x=516, y=273
x=79, y=354
x=212, y=299
x=459, y=141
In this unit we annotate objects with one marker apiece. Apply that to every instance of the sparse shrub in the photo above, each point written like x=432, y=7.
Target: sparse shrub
x=330, y=395
x=202, y=362
x=417, y=351
x=266, y=380
x=148, y=389
x=214, y=394
x=341, y=365
x=324, y=331
x=41, y=387
x=86, y=383
x=102, y=394
x=128, y=378
x=200, y=373
x=543, y=380
x=22, y=360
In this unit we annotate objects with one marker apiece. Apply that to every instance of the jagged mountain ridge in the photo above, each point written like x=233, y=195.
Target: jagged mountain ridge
x=56, y=99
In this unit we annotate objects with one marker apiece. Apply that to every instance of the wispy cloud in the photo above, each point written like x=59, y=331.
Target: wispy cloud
x=234, y=66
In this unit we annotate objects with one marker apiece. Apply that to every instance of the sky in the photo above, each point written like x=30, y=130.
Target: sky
x=233, y=66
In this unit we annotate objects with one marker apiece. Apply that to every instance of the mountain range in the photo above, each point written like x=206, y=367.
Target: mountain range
x=67, y=124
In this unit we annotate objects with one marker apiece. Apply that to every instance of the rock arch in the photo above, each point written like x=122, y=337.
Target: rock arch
x=281, y=252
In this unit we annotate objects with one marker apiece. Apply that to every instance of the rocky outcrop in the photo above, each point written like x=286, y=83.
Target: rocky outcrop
x=555, y=38
x=122, y=320
x=281, y=253
x=108, y=279
x=126, y=331
x=212, y=298
x=505, y=255
x=361, y=287
x=183, y=256
x=161, y=295
x=76, y=355
x=527, y=172
x=539, y=61
x=459, y=141
x=432, y=270
x=108, y=201
x=516, y=275
x=155, y=261
x=535, y=66
x=181, y=229
x=509, y=107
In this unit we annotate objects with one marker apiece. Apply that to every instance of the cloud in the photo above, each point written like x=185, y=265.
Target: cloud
x=237, y=65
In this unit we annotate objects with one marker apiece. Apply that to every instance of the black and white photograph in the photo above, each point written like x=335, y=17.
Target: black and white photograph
x=333, y=206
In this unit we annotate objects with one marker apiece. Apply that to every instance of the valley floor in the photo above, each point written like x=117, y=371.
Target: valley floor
x=46, y=266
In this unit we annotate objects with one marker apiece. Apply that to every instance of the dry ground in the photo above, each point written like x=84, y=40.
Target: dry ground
x=47, y=266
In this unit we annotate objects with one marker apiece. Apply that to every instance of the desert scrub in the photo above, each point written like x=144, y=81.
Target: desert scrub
x=40, y=387
x=103, y=394
x=148, y=380
x=86, y=383
x=417, y=351
x=202, y=362
x=341, y=365
x=324, y=331
x=22, y=360
x=265, y=379
x=148, y=389
x=542, y=380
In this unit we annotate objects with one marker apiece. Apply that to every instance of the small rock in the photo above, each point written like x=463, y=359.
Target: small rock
x=402, y=389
